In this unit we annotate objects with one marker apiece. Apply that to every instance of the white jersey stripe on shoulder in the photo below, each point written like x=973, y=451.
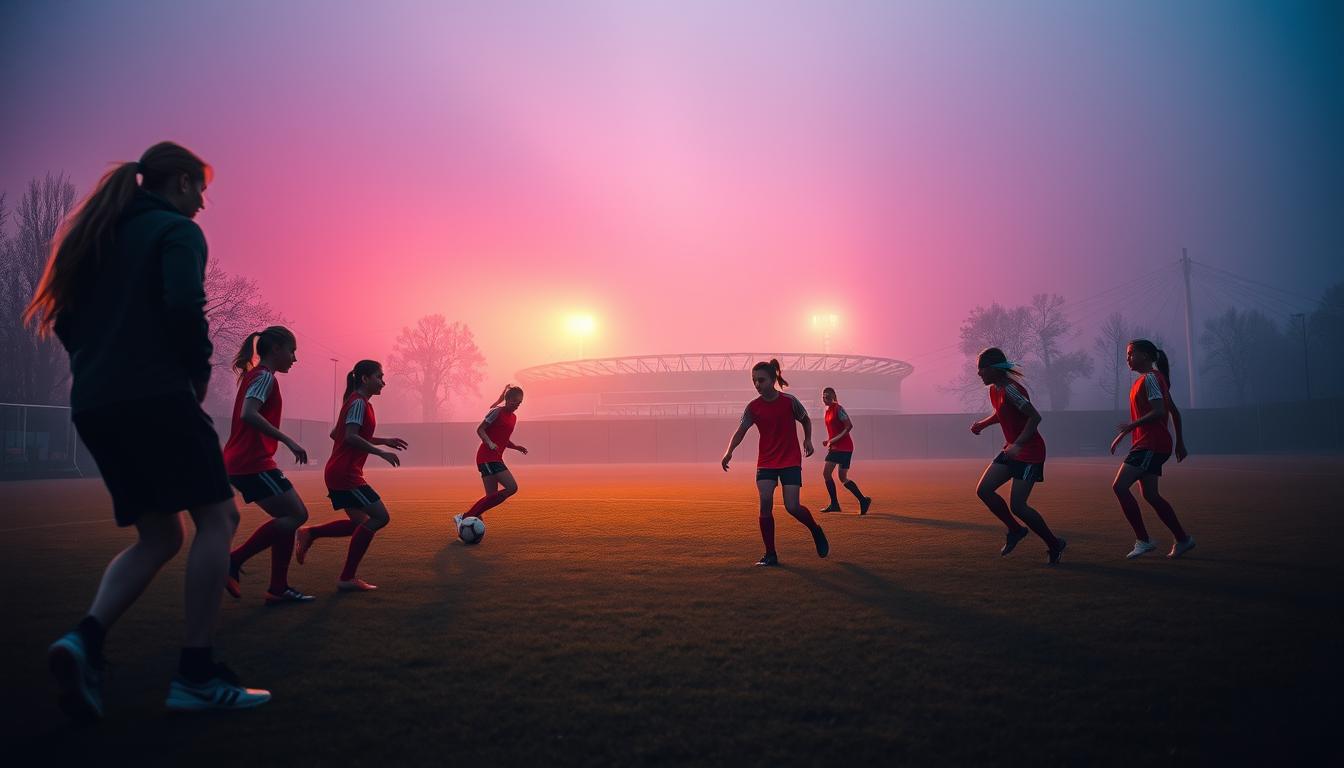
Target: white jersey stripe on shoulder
x=356, y=413
x=260, y=388
x=1015, y=395
x=1152, y=386
x=492, y=415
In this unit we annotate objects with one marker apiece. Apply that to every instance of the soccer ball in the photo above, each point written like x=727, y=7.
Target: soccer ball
x=472, y=530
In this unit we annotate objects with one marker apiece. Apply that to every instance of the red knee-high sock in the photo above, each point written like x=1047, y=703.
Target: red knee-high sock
x=334, y=529
x=768, y=534
x=1000, y=509
x=359, y=544
x=282, y=549
x=804, y=516
x=261, y=538
x=1130, y=505
x=1167, y=515
x=486, y=502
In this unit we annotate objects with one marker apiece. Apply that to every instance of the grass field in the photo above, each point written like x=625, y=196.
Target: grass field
x=612, y=616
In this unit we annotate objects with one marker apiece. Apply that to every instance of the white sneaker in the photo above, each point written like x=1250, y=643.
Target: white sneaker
x=1181, y=547
x=222, y=691
x=1140, y=549
x=457, y=522
x=78, y=676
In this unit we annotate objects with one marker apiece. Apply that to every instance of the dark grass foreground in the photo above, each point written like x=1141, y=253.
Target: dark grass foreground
x=612, y=616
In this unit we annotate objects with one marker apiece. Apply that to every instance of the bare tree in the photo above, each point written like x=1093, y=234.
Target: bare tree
x=1109, y=345
x=36, y=370
x=1238, y=347
x=1048, y=327
x=438, y=360
x=992, y=326
x=233, y=308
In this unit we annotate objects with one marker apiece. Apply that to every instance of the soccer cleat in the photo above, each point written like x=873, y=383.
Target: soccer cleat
x=1053, y=554
x=233, y=586
x=290, y=595
x=832, y=508
x=768, y=559
x=819, y=538
x=303, y=539
x=864, y=504
x=221, y=691
x=1140, y=549
x=457, y=522
x=1181, y=547
x=355, y=585
x=79, y=678
x=1014, y=538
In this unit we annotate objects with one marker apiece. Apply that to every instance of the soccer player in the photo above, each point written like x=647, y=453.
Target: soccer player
x=840, y=452
x=779, y=461
x=1022, y=459
x=124, y=291
x=495, y=430
x=1149, y=405
x=353, y=441
x=249, y=457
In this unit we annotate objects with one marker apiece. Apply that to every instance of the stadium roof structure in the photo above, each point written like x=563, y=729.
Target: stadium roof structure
x=705, y=383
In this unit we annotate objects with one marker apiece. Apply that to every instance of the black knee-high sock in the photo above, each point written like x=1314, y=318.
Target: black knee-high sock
x=830, y=488
x=854, y=489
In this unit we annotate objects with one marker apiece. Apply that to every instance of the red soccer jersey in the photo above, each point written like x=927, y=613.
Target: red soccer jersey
x=499, y=422
x=836, y=420
x=345, y=468
x=774, y=420
x=248, y=451
x=1010, y=401
x=1152, y=436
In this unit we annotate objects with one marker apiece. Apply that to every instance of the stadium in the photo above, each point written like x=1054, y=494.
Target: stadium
x=706, y=383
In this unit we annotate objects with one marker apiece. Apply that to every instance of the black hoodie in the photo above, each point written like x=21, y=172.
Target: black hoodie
x=135, y=328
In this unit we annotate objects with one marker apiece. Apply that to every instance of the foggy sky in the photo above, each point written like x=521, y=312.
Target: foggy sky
x=702, y=176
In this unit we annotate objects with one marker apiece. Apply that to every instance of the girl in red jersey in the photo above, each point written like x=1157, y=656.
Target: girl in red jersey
x=1149, y=404
x=352, y=442
x=841, y=451
x=779, y=461
x=249, y=457
x=494, y=431
x=1022, y=459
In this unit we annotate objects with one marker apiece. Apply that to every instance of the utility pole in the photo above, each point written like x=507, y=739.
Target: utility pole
x=1189, y=329
x=1306, y=368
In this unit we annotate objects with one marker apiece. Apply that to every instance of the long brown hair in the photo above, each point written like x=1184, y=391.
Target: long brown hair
x=79, y=244
x=259, y=344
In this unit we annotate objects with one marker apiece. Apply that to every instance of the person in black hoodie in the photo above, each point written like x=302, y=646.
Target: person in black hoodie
x=124, y=292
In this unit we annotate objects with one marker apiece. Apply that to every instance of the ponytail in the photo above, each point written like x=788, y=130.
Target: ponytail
x=260, y=344
x=243, y=360
x=362, y=368
x=80, y=243
x=1164, y=366
x=773, y=368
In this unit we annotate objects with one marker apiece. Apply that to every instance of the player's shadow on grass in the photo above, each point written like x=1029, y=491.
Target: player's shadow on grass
x=960, y=624
x=956, y=525
x=456, y=560
x=1171, y=575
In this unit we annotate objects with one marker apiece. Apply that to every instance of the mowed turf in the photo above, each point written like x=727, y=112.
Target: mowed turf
x=612, y=615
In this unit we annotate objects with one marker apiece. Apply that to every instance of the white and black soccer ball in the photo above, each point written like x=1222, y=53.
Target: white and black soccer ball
x=472, y=530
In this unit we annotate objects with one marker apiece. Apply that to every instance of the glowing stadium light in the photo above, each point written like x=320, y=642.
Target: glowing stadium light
x=827, y=323
x=581, y=327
